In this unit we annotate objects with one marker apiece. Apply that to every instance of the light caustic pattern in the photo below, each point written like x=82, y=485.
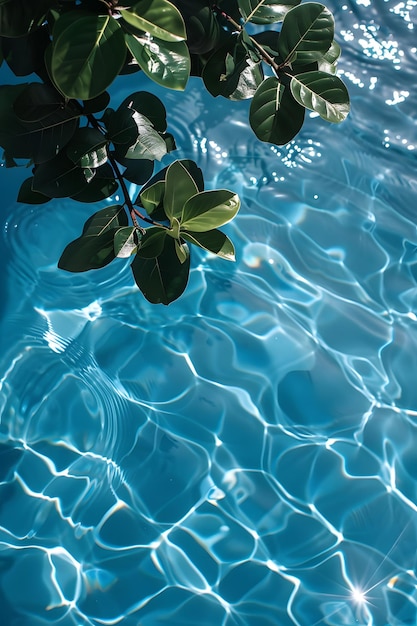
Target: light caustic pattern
x=246, y=456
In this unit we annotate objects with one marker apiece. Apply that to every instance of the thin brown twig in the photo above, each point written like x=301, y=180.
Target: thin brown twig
x=267, y=57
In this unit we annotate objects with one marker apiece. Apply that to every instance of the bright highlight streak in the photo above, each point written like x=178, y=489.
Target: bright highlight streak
x=358, y=596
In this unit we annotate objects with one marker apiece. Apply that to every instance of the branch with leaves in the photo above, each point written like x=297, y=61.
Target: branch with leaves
x=82, y=148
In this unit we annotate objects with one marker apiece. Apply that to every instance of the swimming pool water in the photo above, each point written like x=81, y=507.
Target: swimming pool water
x=247, y=455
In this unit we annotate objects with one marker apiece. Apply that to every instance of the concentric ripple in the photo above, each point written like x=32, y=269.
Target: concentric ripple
x=245, y=456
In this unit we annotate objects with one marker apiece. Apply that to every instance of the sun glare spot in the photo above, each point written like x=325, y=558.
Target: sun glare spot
x=358, y=596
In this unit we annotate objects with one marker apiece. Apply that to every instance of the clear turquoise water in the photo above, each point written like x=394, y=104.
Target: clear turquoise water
x=246, y=456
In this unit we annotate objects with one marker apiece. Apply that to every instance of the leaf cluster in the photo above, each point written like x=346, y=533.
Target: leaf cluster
x=65, y=127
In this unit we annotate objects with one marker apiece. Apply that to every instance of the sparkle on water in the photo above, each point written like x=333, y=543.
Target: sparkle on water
x=246, y=456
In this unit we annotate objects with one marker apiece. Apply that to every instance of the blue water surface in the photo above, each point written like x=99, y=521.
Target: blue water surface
x=247, y=455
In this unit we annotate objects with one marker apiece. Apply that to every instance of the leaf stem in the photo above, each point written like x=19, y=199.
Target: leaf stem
x=266, y=57
x=128, y=202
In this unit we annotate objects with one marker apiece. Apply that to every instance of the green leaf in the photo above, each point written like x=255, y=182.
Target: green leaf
x=159, y=18
x=109, y=218
x=137, y=171
x=269, y=41
x=166, y=63
x=230, y=72
x=19, y=17
x=307, y=33
x=174, y=230
x=152, y=196
x=333, y=53
x=122, y=127
x=125, y=242
x=133, y=135
x=148, y=145
x=150, y=106
x=169, y=141
x=179, y=187
x=203, y=28
x=88, y=253
x=162, y=279
x=265, y=11
x=152, y=242
x=328, y=63
x=36, y=102
x=100, y=187
x=95, y=247
x=274, y=115
x=99, y=103
x=209, y=209
x=87, y=148
x=154, y=202
x=213, y=241
x=59, y=177
x=39, y=140
x=321, y=92
x=25, y=55
x=28, y=196
x=182, y=251
x=87, y=55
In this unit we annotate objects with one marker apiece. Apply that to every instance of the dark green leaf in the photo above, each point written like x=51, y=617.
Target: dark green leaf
x=133, y=135
x=125, y=242
x=213, y=241
x=208, y=210
x=88, y=252
x=249, y=45
x=166, y=63
x=150, y=106
x=59, y=177
x=102, y=186
x=28, y=196
x=24, y=55
x=169, y=141
x=95, y=247
x=109, y=218
x=63, y=19
x=179, y=187
x=274, y=115
x=87, y=55
x=87, y=148
x=8, y=160
x=122, y=127
x=307, y=33
x=162, y=279
x=152, y=242
x=137, y=171
x=19, y=17
x=321, y=92
x=39, y=140
x=203, y=29
x=37, y=102
x=265, y=11
x=97, y=104
x=268, y=40
x=159, y=18
x=222, y=70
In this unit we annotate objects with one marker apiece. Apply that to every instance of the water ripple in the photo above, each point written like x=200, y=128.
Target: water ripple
x=246, y=456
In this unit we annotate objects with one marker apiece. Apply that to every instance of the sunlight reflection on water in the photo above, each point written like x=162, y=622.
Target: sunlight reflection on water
x=246, y=456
